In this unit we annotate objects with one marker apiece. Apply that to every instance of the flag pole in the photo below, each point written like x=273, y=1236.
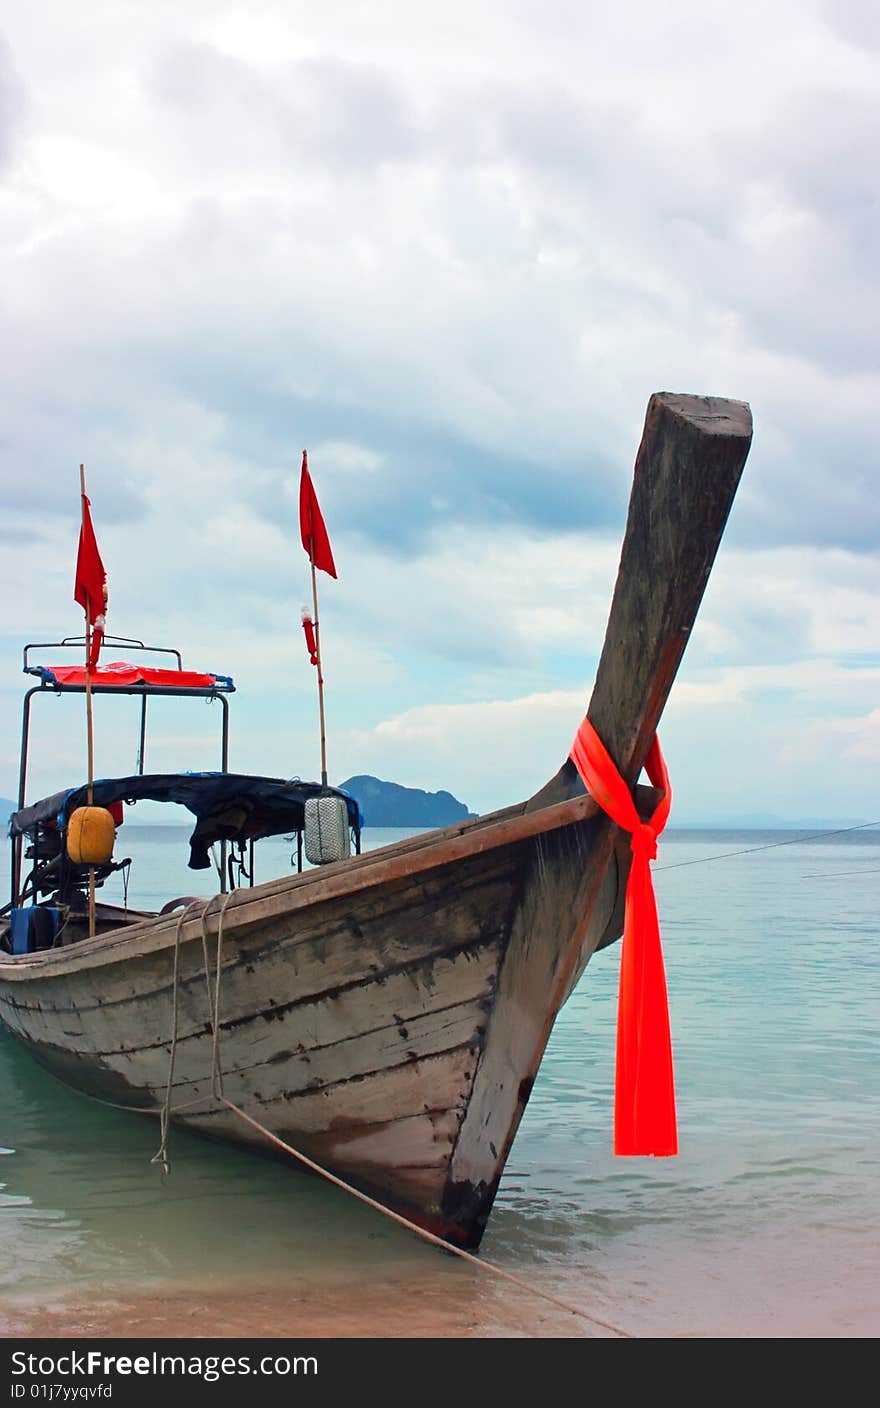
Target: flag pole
x=320, y=669
x=90, y=732
x=316, y=543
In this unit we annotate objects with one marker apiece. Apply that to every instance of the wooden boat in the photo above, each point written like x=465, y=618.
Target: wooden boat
x=387, y=1014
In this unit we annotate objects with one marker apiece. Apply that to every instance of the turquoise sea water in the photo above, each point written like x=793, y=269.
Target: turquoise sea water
x=765, y=1225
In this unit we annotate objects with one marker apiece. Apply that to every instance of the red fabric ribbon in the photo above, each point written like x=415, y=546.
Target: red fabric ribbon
x=96, y=641
x=644, y=1096
x=311, y=640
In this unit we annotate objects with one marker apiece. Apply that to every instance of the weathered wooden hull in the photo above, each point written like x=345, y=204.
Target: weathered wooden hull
x=391, y=1033
x=387, y=1016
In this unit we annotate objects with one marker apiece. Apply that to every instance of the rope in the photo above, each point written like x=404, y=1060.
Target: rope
x=214, y=1006
x=334, y=1179
x=161, y=1154
x=423, y=1232
x=769, y=846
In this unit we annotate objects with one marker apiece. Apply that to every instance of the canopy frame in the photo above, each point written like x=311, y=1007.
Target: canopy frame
x=222, y=686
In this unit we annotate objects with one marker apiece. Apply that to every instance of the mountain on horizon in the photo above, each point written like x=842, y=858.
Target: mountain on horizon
x=385, y=803
x=390, y=804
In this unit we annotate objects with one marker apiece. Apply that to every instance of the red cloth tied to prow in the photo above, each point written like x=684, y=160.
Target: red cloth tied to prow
x=644, y=1095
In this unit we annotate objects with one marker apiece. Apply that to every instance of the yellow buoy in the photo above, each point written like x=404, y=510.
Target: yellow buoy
x=91, y=832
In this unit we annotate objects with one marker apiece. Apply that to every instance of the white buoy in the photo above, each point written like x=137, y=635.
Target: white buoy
x=327, y=834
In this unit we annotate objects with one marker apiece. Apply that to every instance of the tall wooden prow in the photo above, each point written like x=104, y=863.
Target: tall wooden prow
x=571, y=899
x=687, y=471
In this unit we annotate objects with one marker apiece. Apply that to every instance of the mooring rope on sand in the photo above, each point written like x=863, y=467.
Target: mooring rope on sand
x=161, y=1156
x=423, y=1232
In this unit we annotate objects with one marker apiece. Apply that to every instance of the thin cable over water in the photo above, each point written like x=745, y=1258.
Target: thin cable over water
x=769, y=846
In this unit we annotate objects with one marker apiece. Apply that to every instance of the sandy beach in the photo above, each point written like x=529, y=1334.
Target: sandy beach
x=398, y=1308
x=821, y=1285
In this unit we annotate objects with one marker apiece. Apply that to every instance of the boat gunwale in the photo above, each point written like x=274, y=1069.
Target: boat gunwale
x=398, y=861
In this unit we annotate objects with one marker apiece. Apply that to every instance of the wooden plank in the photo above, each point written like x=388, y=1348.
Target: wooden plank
x=291, y=959
x=278, y=898
x=687, y=471
x=349, y=1130
x=552, y=909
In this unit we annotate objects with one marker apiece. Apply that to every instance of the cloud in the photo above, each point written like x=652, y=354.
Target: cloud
x=498, y=749
x=737, y=742
x=856, y=21
x=780, y=648
x=12, y=105
x=452, y=256
x=863, y=735
x=485, y=277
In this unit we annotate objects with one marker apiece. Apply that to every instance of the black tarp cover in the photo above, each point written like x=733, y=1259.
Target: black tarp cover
x=227, y=806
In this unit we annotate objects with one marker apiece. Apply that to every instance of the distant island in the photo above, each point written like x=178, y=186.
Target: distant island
x=389, y=804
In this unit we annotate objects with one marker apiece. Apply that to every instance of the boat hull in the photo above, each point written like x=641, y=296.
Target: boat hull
x=390, y=1033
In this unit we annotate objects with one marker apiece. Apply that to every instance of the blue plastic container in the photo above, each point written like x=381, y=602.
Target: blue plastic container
x=34, y=927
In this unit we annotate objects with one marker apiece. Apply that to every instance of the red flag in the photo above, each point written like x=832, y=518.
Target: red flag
x=90, y=585
x=644, y=1097
x=311, y=523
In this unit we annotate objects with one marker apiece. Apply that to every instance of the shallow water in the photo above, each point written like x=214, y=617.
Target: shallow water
x=765, y=1225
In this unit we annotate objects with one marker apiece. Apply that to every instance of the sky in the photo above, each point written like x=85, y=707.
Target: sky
x=452, y=250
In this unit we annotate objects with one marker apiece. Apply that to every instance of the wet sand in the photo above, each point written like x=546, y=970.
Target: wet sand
x=727, y=1289
x=746, y=1294
x=400, y=1308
